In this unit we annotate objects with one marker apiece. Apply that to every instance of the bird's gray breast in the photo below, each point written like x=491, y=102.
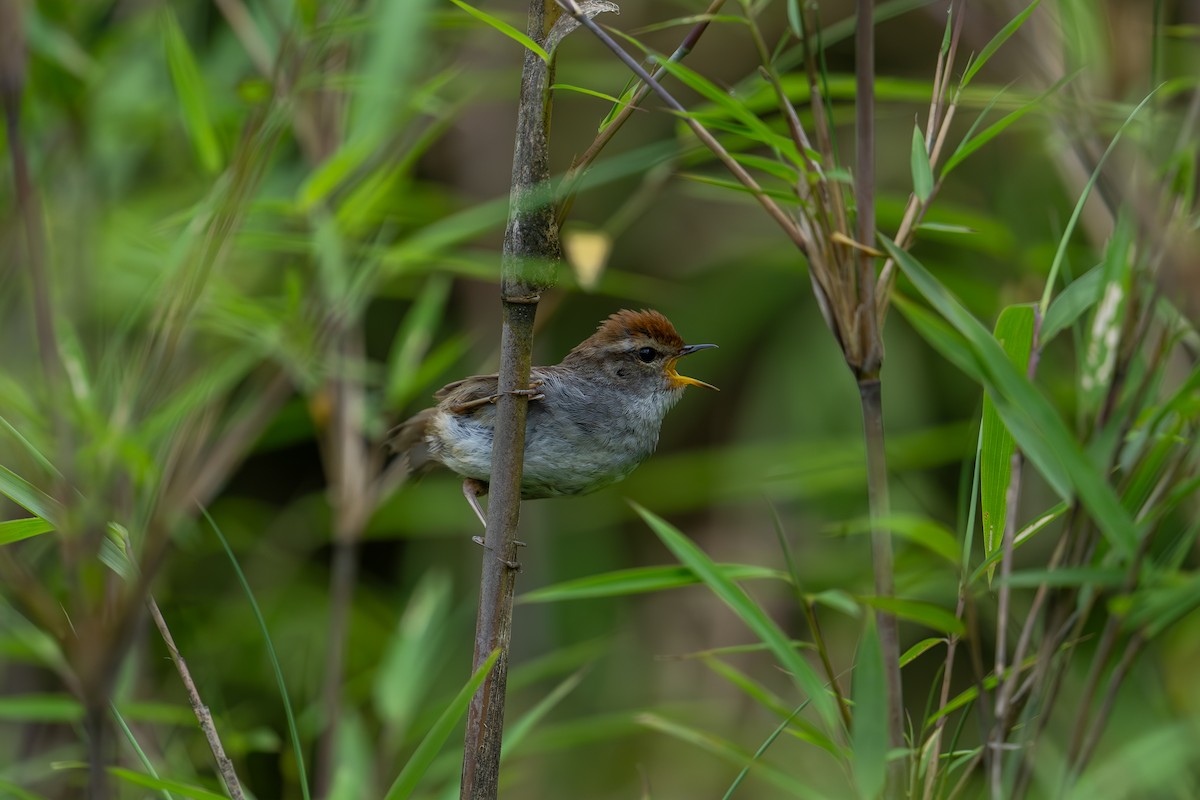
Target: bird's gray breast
x=583, y=437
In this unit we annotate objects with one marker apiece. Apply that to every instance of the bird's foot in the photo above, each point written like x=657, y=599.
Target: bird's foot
x=532, y=392
x=479, y=541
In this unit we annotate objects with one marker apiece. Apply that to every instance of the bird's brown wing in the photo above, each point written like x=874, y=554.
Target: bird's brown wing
x=468, y=391
x=465, y=396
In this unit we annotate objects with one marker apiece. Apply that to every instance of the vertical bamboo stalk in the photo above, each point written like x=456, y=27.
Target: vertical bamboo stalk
x=869, y=358
x=531, y=256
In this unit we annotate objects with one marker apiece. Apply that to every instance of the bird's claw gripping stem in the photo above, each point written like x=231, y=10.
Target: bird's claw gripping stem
x=532, y=393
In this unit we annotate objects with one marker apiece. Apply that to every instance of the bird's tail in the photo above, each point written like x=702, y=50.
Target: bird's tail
x=408, y=441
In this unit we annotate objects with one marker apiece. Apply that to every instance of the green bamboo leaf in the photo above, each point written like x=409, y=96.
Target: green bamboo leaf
x=922, y=172
x=1061, y=253
x=1070, y=304
x=780, y=728
x=40, y=708
x=1014, y=332
x=737, y=186
x=150, y=782
x=1023, y=535
x=999, y=39
x=414, y=338
x=293, y=731
x=418, y=763
x=920, y=530
x=393, y=53
x=28, y=496
x=751, y=614
x=918, y=611
x=639, y=580
x=1104, y=334
x=193, y=96
x=409, y=663
x=802, y=729
x=354, y=758
x=516, y=733
x=838, y=600
x=1095, y=577
x=567, y=87
x=722, y=748
x=14, y=530
x=941, y=337
x=10, y=789
x=971, y=142
x=754, y=127
x=503, y=27
x=1139, y=765
x=921, y=647
x=1028, y=415
x=771, y=166
x=869, y=737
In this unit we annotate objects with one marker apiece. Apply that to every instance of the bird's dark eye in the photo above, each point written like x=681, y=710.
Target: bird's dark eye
x=647, y=354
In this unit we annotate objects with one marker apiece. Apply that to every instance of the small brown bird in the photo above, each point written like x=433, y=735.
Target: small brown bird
x=593, y=419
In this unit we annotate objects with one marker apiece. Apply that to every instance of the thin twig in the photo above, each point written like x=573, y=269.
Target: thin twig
x=203, y=715
x=931, y=772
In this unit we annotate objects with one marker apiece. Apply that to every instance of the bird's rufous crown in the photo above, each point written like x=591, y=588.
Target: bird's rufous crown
x=627, y=324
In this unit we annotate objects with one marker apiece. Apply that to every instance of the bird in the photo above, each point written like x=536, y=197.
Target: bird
x=592, y=418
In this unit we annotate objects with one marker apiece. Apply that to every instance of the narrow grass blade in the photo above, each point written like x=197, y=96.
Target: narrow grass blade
x=137, y=747
x=149, y=782
x=517, y=732
x=780, y=728
x=193, y=96
x=28, y=496
x=408, y=779
x=503, y=27
x=43, y=708
x=750, y=613
x=639, y=580
x=753, y=126
x=293, y=731
x=923, y=531
x=869, y=736
x=14, y=530
x=1028, y=415
x=804, y=729
x=729, y=751
x=972, y=142
x=922, y=613
x=921, y=647
x=997, y=41
x=1014, y=332
x=1071, y=303
x=1061, y=254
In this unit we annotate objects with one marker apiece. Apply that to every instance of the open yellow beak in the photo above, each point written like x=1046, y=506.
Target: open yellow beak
x=684, y=380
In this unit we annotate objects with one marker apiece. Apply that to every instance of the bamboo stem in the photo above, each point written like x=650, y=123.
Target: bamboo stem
x=531, y=256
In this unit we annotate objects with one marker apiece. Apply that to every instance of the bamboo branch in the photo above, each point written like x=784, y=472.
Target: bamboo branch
x=203, y=715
